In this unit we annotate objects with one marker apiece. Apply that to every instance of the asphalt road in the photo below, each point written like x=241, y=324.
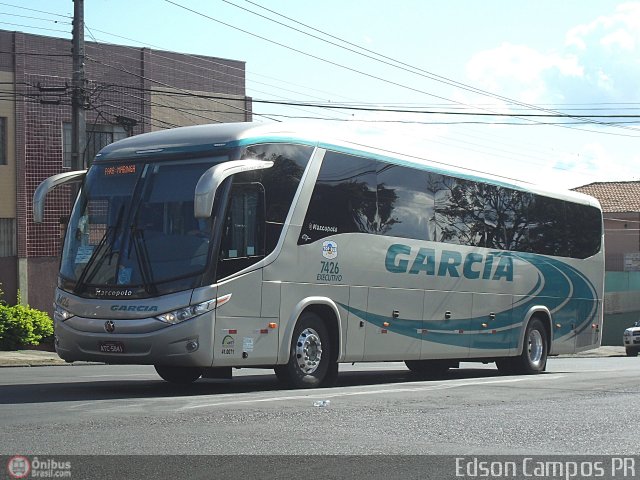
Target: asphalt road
x=579, y=406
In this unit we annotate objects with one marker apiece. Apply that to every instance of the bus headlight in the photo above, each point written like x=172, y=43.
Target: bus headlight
x=186, y=313
x=60, y=314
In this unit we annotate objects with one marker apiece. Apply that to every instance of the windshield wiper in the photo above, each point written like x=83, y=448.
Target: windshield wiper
x=142, y=257
x=84, y=275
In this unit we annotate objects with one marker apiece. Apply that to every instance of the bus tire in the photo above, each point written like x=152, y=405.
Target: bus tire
x=179, y=375
x=533, y=358
x=310, y=362
x=631, y=352
x=428, y=368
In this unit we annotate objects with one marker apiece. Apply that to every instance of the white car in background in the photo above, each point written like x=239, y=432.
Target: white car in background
x=631, y=340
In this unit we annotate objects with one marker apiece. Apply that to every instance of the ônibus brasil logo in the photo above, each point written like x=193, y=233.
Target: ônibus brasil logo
x=18, y=467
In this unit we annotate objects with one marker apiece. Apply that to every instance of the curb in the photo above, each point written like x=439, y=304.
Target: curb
x=45, y=363
x=35, y=358
x=601, y=352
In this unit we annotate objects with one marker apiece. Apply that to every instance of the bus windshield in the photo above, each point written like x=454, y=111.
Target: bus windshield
x=133, y=230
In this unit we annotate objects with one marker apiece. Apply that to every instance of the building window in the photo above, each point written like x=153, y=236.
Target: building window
x=8, y=237
x=3, y=140
x=98, y=136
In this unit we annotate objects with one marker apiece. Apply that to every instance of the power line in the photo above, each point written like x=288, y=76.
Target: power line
x=208, y=60
x=31, y=26
x=179, y=90
x=207, y=69
x=33, y=18
x=177, y=109
x=164, y=84
x=166, y=124
x=352, y=107
x=421, y=122
x=35, y=10
x=401, y=65
x=183, y=92
x=551, y=113
x=564, y=124
x=333, y=106
x=486, y=122
x=36, y=54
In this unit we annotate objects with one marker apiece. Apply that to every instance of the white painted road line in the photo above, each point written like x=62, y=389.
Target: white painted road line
x=373, y=391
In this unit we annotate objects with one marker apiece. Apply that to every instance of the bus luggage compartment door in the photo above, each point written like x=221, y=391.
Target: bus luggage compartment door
x=446, y=325
x=394, y=324
x=492, y=330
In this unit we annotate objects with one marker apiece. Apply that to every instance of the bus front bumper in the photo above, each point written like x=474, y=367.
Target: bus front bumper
x=187, y=344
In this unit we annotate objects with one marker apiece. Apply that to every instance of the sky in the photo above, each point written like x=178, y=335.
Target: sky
x=504, y=59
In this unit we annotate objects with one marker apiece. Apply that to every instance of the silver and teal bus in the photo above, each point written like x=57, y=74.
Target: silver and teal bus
x=207, y=248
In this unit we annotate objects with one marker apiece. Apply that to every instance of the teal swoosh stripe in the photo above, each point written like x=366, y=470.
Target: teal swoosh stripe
x=581, y=307
x=556, y=281
x=437, y=332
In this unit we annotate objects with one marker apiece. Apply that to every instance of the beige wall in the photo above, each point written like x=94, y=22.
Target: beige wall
x=622, y=235
x=8, y=172
x=181, y=110
x=622, y=232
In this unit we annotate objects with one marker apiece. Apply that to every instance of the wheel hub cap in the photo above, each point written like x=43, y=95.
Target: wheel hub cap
x=308, y=351
x=536, y=348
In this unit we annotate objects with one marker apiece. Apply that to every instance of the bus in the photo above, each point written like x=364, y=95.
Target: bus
x=207, y=248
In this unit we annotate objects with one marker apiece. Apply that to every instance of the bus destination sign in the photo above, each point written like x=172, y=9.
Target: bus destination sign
x=119, y=170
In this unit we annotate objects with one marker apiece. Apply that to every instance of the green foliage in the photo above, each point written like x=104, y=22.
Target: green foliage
x=21, y=325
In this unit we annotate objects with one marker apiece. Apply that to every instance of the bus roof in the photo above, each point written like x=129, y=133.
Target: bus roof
x=200, y=139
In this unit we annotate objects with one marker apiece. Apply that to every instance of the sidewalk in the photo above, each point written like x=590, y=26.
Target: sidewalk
x=606, y=351
x=36, y=358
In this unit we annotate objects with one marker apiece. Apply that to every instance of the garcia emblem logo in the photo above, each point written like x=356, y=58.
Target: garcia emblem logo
x=329, y=249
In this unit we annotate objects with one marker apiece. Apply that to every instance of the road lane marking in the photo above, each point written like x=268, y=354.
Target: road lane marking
x=376, y=391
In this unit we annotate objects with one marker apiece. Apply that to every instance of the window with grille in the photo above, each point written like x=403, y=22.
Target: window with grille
x=98, y=137
x=8, y=237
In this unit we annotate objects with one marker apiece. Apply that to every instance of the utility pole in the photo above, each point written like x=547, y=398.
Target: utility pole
x=78, y=118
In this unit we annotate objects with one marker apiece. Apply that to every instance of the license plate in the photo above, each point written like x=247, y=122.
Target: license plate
x=111, y=347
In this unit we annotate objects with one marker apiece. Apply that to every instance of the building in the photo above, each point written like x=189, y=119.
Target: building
x=128, y=91
x=620, y=203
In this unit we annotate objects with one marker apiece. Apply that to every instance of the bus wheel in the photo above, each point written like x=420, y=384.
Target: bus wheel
x=631, y=352
x=534, y=351
x=180, y=375
x=428, y=368
x=310, y=361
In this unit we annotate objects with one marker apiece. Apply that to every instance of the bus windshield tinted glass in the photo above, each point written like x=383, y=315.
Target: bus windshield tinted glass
x=133, y=227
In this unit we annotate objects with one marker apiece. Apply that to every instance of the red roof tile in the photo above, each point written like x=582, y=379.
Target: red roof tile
x=614, y=196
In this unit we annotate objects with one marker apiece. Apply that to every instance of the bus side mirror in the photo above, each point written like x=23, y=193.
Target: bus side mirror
x=49, y=184
x=211, y=179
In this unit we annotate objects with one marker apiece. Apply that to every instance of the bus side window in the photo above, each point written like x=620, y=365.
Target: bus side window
x=243, y=235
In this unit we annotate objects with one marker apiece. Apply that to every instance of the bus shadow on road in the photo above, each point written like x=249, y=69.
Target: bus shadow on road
x=71, y=391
